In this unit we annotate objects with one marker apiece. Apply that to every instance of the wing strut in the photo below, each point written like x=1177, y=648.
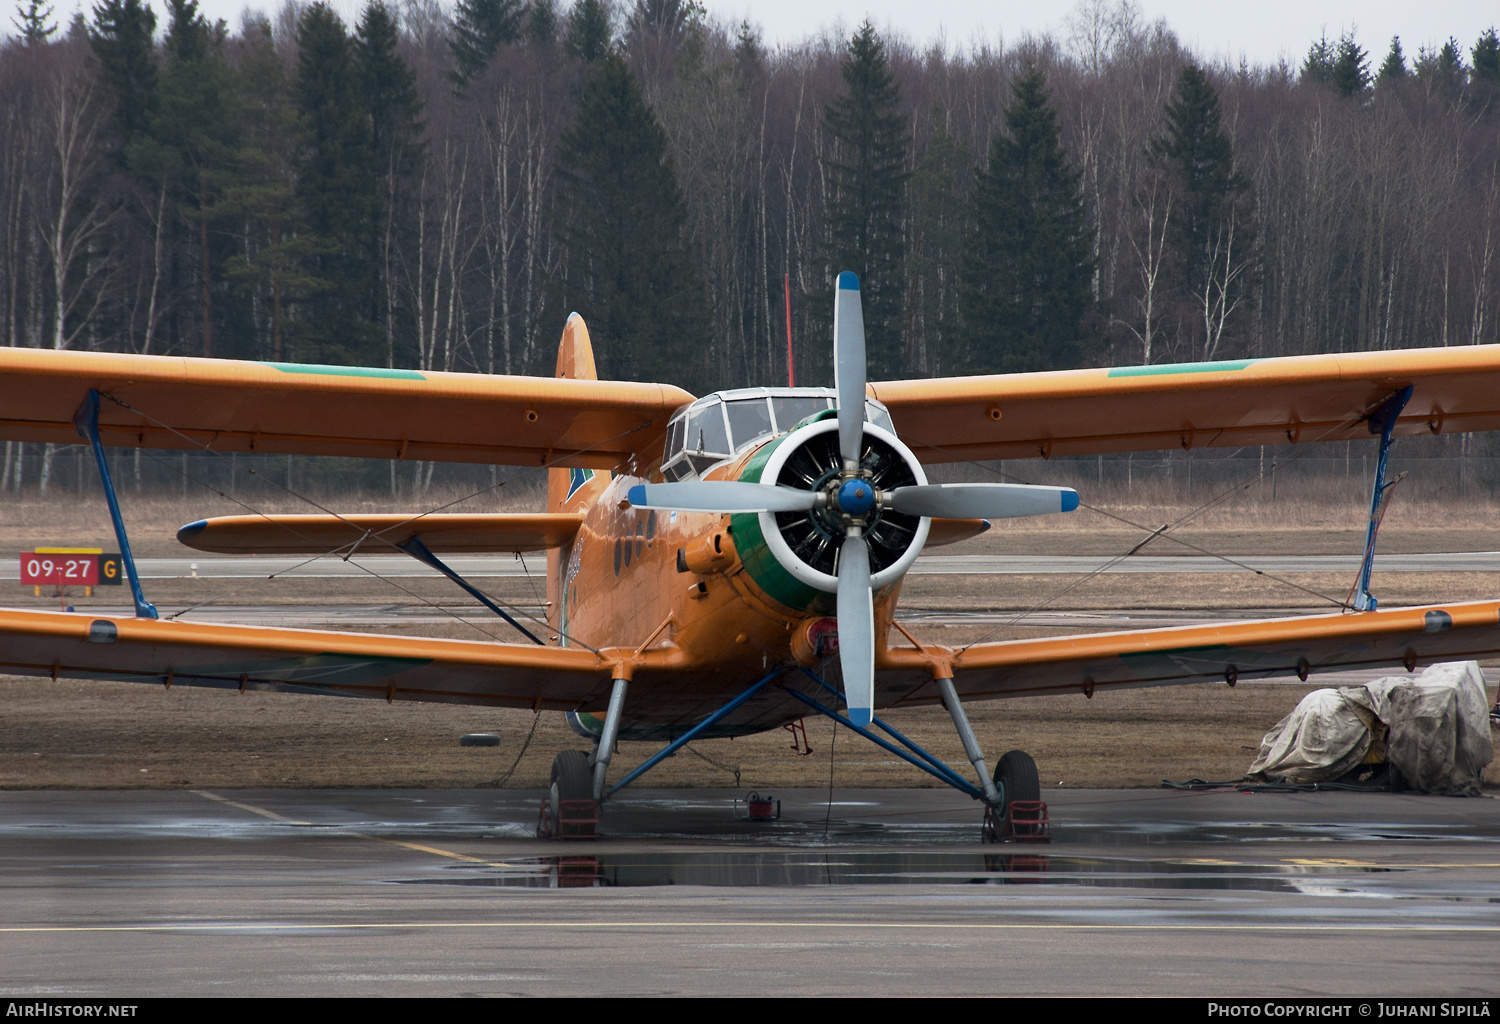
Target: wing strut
x=418, y=550
x=86, y=420
x=1383, y=422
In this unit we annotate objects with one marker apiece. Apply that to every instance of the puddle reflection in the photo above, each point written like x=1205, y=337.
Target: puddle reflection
x=626, y=870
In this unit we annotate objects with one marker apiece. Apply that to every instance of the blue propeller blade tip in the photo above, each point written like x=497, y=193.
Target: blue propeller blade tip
x=848, y=281
x=637, y=495
x=861, y=717
x=1069, y=500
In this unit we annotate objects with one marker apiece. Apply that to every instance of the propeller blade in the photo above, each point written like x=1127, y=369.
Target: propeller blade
x=981, y=501
x=849, y=366
x=856, y=617
x=721, y=496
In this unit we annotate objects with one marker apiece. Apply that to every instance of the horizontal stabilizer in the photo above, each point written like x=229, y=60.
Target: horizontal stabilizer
x=378, y=534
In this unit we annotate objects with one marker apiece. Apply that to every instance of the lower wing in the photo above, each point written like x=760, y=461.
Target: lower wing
x=57, y=644
x=378, y=534
x=1224, y=652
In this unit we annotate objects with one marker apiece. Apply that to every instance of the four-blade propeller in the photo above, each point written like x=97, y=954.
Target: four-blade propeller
x=855, y=497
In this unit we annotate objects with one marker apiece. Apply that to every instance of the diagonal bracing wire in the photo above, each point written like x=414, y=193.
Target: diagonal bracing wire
x=367, y=534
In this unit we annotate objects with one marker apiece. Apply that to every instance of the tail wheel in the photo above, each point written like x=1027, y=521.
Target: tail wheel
x=1016, y=778
x=575, y=813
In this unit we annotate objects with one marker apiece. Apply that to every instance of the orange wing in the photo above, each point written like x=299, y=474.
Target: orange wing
x=1193, y=405
x=371, y=534
x=1225, y=652
x=304, y=661
x=295, y=408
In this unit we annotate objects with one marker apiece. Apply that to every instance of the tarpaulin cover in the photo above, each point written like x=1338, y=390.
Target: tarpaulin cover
x=1434, y=727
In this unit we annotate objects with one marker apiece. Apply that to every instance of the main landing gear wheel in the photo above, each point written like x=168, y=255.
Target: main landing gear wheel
x=1017, y=780
x=574, y=812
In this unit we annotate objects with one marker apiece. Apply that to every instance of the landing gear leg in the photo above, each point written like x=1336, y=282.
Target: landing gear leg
x=607, y=736
x=992, y=796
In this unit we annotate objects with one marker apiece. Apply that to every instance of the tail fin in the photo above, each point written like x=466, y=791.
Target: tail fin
x=575, y=361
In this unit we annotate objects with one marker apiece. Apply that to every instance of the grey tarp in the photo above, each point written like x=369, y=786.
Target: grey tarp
x=1435, y=728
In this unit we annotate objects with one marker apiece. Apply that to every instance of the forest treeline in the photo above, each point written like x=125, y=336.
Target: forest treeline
x=438, y=187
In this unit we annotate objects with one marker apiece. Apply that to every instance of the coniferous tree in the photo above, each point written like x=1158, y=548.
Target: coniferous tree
x=336, y=181
x=1393, y=68
x=1350, y=73
x=1212, y=225
x=480, y=27
x=590, y=34
x=1486, y=56
x=121, y=37
x=192, y=141
x=266, y=272
x=867, y=190
x=1443, y=72
x=627, y=266
x=394, y=109
x=1317, y=66
x=1484, y=81
x=1028, y=267
x=541, y=22
x=33, y=23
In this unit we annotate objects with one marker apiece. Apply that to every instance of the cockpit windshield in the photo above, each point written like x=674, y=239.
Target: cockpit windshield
x=720, y=425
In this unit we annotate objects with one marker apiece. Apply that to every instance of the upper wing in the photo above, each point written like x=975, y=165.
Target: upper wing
x=1224, y=652
x=320, y=534
x=304, y=409
x=307, y=661
x=1193, y=405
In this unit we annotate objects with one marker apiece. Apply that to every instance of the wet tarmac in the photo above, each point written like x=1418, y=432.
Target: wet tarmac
x=874, y=892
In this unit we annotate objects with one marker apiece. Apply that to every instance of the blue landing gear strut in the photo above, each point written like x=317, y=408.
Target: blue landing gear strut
x=1383, y=422
x=86, y=420
x=918, y=757
x=690, y=735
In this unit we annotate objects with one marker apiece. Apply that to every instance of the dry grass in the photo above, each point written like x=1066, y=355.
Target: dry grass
x=72, y=734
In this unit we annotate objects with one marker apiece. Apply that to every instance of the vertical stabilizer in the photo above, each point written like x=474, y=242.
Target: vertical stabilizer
x=575, y=360
x=567, y=488
x=575, y=356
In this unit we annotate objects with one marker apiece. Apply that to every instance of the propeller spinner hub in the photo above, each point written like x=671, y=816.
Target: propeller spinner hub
x=856, y=497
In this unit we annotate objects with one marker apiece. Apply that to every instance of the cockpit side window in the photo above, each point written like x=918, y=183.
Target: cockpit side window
x=749, y=418
x=793, y=409
x=706, y=431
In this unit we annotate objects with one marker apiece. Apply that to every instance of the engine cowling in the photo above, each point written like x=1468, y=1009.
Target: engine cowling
x=793, y=556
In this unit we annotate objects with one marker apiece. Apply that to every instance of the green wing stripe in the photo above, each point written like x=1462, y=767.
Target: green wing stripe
x=1166, y=369
x=322, y=369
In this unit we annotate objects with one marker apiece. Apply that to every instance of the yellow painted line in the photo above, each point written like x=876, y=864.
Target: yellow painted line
x=615, y=923
x=348, y=832
x=430, y=849
x=248, y=807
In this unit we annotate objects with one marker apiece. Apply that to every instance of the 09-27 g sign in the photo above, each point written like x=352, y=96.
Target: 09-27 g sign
x=65, y=567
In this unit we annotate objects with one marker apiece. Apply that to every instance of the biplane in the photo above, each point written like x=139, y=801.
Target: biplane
x=724, y=565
